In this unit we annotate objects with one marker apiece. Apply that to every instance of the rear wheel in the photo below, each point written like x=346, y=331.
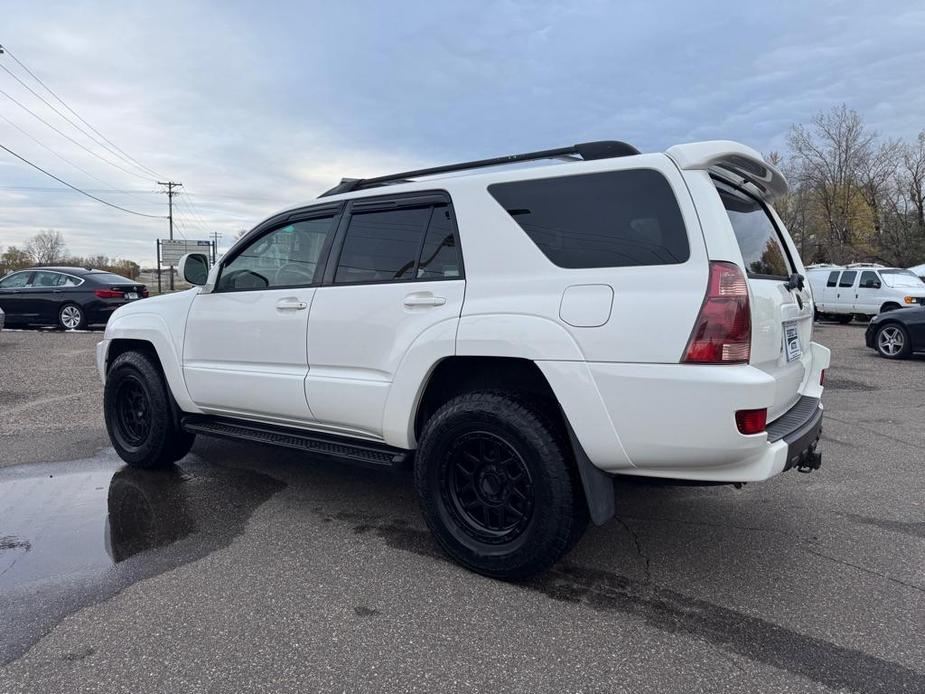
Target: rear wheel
x=139, y=413
x=892, y=341
x=72, y=317
x=497, y=486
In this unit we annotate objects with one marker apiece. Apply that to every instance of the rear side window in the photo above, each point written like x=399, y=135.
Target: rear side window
x=847, y=278
x=833, y=279
x=612, y=219
x=758, y=239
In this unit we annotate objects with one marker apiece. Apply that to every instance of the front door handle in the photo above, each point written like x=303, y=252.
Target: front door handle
x=424, y=299
x=291, y=305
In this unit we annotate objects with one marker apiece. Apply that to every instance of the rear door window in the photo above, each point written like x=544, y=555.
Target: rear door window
x=612, y=219
x=382, y=246
x=847, y=278
x=762, y=250
x=833, y=279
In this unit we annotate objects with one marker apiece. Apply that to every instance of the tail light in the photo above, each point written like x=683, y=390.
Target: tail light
x=723, y=331
x=822, y=378
x=108, y=294
x=752, y=421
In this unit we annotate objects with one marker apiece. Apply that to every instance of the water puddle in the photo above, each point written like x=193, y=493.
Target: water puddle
x=72, y=534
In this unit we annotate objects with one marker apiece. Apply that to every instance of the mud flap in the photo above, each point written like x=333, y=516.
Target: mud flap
x=597, y=484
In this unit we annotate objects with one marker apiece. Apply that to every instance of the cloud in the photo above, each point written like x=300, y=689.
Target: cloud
x=256, y=108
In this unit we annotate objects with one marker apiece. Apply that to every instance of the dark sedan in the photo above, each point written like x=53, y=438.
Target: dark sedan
x=897, y=334
x=70, y=297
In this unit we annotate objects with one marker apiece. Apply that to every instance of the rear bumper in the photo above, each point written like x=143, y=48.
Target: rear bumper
x=800, y=428
x=677, y=421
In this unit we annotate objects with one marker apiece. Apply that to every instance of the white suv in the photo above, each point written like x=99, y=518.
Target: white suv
x=863, y=290
x=521, y=335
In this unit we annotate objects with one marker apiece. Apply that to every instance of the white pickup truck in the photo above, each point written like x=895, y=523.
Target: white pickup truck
x=520, y=335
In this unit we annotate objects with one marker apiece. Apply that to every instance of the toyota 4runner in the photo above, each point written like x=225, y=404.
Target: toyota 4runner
x=519, y=335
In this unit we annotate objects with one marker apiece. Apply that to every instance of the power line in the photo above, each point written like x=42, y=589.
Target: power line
x=71, y=139
x=4, y=49
x=64, y=159
x=65, y=118
x=82, y=192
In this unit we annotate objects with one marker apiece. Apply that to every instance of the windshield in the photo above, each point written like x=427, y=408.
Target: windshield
x=902, y=278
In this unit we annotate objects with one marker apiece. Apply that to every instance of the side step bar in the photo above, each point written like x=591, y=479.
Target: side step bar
x=369, y=453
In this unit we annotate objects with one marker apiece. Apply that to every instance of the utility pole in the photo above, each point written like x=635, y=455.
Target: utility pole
x=215, y=236
x=170, y=193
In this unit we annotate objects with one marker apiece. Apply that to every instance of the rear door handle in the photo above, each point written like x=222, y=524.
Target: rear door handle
x=291, y=305
x=424, y=299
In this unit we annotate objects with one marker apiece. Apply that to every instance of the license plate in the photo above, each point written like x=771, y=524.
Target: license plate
x=131, y=296
x=792, y=347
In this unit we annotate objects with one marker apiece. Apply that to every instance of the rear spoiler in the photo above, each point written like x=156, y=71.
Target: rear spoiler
x=731, y=160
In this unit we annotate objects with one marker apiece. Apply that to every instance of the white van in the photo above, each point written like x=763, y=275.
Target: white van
x=863, y=290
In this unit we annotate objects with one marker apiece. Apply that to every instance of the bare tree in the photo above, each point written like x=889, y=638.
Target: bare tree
x=47, y=247
x=831, y=157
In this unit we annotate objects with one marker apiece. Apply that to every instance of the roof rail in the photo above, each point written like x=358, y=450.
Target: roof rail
x=603, y=149
x=857, y=265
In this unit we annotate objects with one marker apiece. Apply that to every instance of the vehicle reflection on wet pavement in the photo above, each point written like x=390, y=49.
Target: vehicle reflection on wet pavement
x=76, y=533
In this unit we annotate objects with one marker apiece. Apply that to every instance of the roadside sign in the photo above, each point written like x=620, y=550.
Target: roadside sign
x=173, y=250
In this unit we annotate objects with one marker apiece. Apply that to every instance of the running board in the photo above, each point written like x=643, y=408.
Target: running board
x=370, y=453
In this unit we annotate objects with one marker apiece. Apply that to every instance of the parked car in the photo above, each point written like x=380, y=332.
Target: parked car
x=521, y=335
x=70, y=297
x=863, y=291
x=897, y=334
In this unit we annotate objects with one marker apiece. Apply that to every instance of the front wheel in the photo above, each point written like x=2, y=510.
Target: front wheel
x=72, y=317
x=139, y=413
x=892, y=341
x=497, y=486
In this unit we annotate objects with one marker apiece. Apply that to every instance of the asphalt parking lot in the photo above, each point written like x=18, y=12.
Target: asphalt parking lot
x=252, y=569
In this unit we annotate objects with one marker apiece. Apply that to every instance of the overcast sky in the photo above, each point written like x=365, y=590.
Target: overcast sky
x=257, y=106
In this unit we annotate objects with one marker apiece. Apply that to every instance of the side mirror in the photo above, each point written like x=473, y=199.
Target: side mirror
x=194, y=268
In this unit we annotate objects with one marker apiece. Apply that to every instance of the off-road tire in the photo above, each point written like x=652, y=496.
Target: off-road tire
x=557, y=512
x=140, y=415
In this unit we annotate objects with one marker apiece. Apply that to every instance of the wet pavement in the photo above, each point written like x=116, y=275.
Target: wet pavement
x=77, y=533
x=255, y=569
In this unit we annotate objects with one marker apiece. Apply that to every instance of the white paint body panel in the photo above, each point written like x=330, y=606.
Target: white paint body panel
x=358, y=338
x=357, y=361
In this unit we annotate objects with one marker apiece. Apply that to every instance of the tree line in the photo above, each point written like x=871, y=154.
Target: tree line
x=48, y=248
x=854, y=196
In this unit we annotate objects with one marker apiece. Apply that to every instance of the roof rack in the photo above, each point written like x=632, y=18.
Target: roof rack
x=858, y=265
x=587, y=151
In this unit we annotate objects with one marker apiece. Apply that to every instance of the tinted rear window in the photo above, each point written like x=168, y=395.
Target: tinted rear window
x=109, y=278
x=761, y=247
x=612, y=219
x=833, y=279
